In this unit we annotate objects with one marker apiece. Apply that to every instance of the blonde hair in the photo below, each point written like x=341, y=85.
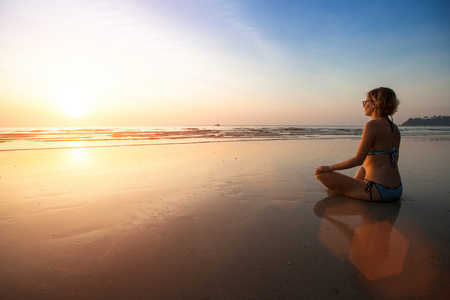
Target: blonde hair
x=386, y=102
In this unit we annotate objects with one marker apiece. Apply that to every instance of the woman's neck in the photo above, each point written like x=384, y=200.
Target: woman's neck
x=376, y=116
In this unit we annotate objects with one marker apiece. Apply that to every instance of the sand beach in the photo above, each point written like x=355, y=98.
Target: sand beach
x=229, y=220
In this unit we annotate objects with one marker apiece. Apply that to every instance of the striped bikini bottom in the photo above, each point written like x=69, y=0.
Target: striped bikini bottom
x=387, y=194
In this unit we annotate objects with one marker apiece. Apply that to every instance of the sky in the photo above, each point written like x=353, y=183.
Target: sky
x=198, y=62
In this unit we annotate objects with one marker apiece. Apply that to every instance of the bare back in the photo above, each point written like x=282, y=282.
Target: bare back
x=379, y=167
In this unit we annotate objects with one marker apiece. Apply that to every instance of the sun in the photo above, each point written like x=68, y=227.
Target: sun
x=75, y=109
x=77, y=90
x=75, y=104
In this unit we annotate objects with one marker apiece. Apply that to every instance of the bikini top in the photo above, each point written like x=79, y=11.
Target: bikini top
x=393, y=152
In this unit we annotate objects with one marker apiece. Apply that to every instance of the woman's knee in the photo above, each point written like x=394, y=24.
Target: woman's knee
x=324, y=177
x=320, y=176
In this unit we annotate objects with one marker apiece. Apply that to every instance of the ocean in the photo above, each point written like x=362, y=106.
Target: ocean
x=21, y=138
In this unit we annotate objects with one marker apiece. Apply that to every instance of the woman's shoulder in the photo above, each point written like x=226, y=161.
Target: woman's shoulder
x=377, y=127
x=379, y=123
x=372, y=124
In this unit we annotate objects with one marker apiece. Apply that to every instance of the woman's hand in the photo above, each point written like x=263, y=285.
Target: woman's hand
x=322, y=169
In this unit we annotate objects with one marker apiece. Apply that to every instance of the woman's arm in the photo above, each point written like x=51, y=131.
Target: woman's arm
x=367, y=139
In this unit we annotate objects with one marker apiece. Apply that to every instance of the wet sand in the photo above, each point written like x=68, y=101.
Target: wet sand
x=240, y=220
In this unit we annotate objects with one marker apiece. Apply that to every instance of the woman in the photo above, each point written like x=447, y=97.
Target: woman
x=378, y=179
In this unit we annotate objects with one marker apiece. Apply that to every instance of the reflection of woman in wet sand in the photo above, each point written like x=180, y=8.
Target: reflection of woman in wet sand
x=339, y=206
x=371, y=243
x=394, y=264
x=378, y=178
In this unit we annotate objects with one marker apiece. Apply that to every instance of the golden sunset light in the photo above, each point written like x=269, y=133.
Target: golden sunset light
x=163, y=63
x=224, y=149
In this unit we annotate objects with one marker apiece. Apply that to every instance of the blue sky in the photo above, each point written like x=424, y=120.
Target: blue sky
x=136, y=62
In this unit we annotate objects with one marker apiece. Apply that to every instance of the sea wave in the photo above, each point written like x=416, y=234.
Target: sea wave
x=51, y=138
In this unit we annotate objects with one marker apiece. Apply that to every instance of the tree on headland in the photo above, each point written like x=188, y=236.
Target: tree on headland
x=428, y=121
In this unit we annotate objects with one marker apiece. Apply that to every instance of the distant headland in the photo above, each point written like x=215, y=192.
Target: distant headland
x=428, y=121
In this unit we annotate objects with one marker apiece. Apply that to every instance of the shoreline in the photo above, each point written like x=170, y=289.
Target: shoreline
x=217, y=141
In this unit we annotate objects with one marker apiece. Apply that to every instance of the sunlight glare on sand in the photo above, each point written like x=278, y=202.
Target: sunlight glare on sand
x=78, y=153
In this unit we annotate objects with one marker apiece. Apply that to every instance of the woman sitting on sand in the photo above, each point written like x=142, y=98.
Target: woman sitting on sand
x=378, y=179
